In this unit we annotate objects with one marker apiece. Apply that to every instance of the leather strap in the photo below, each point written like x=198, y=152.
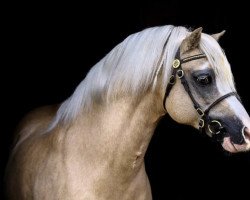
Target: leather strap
x=219, y=100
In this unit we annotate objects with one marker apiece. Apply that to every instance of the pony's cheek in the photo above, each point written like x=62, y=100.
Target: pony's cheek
x=180, y=107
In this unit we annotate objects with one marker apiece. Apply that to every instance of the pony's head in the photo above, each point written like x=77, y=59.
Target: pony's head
x=143, y=63
x=203, y=95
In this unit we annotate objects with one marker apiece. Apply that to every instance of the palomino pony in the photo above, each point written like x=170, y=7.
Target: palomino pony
x=151, y=73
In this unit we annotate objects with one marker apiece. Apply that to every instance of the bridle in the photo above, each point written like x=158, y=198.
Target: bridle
x=214, y=126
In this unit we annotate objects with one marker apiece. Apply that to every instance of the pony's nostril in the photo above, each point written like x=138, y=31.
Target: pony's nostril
x=246, y=133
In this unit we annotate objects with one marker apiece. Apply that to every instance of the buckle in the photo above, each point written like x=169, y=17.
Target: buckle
x=212, y=129
x=176, y=63
x=172, y=80
x=200, y=112
x=180, y=73
x=201, y=123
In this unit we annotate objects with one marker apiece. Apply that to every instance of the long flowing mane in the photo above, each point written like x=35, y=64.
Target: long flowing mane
x=131, y=68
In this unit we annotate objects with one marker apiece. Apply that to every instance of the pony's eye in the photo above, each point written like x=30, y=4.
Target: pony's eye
x=204, y=80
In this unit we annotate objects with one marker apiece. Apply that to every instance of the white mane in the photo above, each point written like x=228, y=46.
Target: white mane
x=132, y=66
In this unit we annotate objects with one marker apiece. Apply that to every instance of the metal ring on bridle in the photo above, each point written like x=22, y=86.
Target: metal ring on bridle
x=209, y=127
x=180, y=73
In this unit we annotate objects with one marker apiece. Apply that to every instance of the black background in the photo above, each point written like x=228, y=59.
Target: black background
x=48, y=49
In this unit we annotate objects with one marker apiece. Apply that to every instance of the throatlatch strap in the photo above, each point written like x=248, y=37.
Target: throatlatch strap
x=169, y=87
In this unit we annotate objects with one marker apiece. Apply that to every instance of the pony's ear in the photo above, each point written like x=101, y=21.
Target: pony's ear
x=217, y=36
x=192, y=41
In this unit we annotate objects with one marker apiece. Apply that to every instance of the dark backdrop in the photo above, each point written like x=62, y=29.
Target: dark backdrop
x=49, y=48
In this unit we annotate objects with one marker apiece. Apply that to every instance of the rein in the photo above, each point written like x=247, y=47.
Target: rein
x=205, y=122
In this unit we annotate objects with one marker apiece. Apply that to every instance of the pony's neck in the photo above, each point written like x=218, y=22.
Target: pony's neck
x=117, y=133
